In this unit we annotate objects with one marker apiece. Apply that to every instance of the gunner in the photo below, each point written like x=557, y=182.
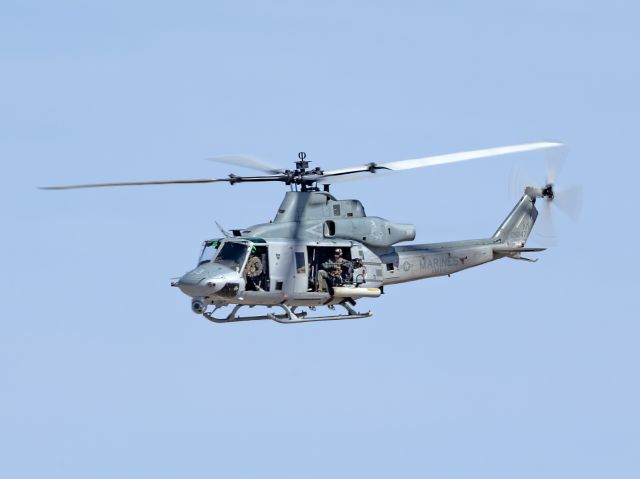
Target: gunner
x=331, y=273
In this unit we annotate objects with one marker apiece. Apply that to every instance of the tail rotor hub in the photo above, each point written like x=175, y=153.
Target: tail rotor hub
x=547, y=192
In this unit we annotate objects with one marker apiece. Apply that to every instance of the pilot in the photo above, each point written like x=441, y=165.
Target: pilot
x=253, y=271
x=331, y=273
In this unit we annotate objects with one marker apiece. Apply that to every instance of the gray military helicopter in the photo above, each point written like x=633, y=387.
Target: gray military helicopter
x=320, y=251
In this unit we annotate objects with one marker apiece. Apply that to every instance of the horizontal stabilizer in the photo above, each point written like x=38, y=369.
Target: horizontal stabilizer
x=507, y=250
x=514, y=253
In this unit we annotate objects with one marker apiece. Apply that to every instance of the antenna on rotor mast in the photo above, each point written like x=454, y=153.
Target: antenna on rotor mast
x=303, y=176
x=301, y=167
x=302, y=164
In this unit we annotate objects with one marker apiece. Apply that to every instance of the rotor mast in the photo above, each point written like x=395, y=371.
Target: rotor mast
x=298, y=175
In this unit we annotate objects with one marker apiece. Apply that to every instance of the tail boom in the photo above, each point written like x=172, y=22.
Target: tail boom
x=412, y=262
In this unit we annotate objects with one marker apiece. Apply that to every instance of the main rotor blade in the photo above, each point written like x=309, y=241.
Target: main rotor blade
x=231, y=180
x=134, y=183
x=247, y=161
x=361, y=171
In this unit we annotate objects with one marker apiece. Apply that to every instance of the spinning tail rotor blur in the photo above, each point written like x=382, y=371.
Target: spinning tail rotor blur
x=550, y=196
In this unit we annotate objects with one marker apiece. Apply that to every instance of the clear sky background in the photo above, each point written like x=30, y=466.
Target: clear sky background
x=508, y=370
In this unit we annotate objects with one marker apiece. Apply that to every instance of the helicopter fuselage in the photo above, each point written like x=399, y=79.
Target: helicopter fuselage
x=293, y=250
x=320, y=251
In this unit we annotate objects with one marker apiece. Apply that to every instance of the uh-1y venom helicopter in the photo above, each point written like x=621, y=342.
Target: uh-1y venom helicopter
x=321, y=251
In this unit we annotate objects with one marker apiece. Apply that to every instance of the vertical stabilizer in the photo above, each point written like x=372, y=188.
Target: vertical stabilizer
x=515, y=229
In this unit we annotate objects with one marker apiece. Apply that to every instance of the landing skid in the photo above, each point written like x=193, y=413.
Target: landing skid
x=290, y=315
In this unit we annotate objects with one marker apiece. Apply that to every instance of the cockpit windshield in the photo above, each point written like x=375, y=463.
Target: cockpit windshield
x=209, y=250
x=232, y=255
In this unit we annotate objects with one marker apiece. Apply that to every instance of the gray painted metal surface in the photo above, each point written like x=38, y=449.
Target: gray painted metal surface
x=312, y=224
x=288, y=263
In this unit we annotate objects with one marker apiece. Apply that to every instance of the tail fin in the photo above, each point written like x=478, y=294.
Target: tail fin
x=515, y=229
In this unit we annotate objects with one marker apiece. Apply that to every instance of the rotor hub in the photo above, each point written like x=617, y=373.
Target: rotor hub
x=547, y=192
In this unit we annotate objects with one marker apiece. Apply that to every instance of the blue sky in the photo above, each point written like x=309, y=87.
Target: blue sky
x=511, y=369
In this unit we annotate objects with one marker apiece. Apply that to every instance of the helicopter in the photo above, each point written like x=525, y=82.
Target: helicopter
x=324, y=252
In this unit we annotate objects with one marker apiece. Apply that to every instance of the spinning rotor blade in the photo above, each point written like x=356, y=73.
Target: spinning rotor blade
x=231, y=180
x=247, y=161
x=361, y=171
x=300, y=176
x=520, y=178
x=546, y=230
x=132, y=183
x=569, y=201
x=555, y=160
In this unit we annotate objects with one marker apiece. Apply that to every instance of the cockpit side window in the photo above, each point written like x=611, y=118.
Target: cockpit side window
x=209, y=249
x=232, y=255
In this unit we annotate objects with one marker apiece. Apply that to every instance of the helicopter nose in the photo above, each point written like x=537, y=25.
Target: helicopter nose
x=202, y=282
x=196, y=284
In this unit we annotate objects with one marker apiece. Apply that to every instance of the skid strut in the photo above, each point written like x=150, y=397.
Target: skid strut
x=290, y=315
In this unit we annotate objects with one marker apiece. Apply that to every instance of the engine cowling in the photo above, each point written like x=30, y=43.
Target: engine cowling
x=370, y=230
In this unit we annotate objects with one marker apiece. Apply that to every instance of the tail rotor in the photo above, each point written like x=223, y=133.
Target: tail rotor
x=567, y=199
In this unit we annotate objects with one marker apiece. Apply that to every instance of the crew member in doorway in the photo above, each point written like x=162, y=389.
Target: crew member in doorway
x=253, y=271
x=331, y=273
